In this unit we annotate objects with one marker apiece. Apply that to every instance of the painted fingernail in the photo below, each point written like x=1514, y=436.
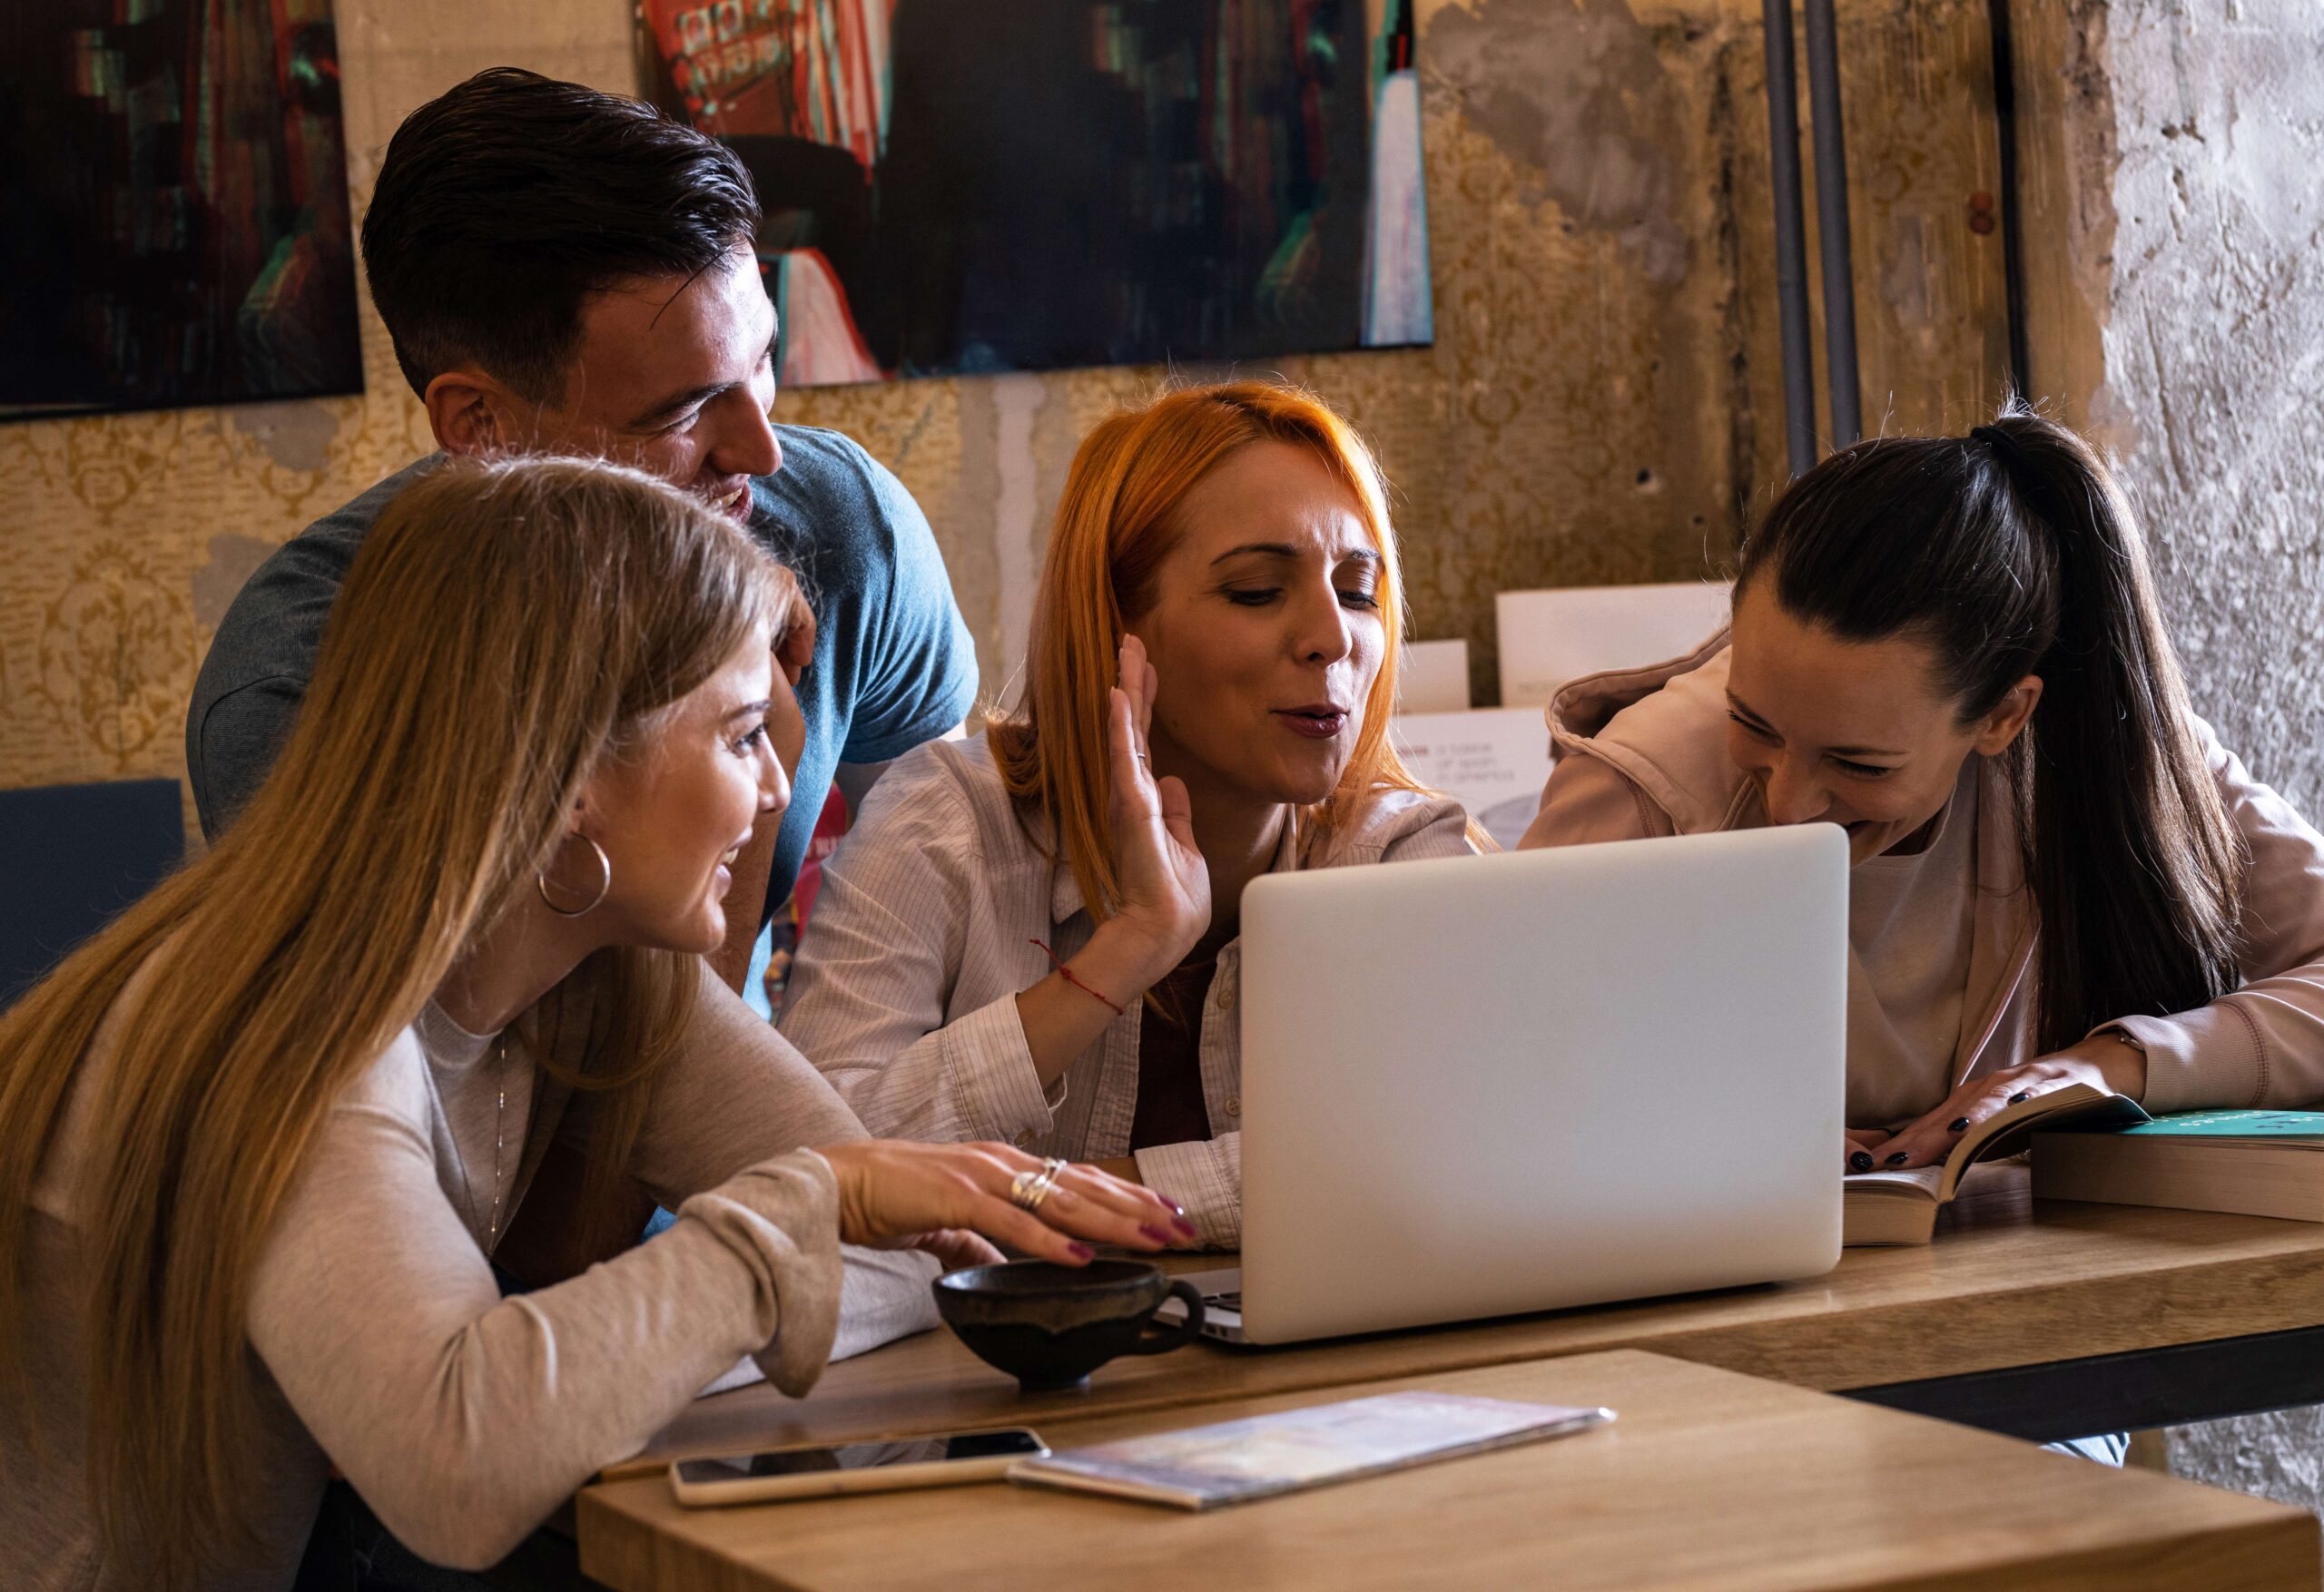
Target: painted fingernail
x=1185, y=1228
x=1154, y=1234
x=1900, y=1157
x=1860, y=1162
x=1081, y=1252
x=1956, y=1125
x=2020, y=1095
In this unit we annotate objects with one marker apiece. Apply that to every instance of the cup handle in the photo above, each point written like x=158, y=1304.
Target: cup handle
x=1184, y=1332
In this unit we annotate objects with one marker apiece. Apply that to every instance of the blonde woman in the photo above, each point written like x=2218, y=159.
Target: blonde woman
x=1031, y=938
x=259, y=1138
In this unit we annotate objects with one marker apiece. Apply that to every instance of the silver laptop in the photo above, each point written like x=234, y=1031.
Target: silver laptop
x=1484, y=1085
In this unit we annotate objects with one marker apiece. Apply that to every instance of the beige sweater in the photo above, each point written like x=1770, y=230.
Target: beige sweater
x=382, y=1343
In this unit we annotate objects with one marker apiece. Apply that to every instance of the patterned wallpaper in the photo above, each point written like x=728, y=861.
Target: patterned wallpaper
x=1600, y=406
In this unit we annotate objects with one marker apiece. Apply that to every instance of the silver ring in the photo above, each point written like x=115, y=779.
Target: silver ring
x=1141, y=756
x=1027, y=1190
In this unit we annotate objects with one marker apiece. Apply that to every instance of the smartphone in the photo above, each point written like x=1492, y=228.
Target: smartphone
x=947, y=1460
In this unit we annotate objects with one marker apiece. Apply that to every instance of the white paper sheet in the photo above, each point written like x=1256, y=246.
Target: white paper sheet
x=1493, y=760
x=1549, y=637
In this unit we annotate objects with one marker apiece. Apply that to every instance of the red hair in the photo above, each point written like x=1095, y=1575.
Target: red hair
x=1116, y=523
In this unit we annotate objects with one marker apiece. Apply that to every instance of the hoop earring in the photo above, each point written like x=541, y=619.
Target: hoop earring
x=604, y=861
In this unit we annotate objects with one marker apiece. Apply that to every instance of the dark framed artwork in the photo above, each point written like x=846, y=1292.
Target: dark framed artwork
x=1037, y=184
x=173, y=209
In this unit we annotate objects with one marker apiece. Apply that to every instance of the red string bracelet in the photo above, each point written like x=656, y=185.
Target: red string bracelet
x=1066, y=973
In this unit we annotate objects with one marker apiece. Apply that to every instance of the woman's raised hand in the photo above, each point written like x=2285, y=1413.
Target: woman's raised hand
x=1165, y=902
x=950, y=1199
x=1165, y=884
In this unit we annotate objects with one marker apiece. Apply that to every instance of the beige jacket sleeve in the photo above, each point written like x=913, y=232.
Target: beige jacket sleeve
x=738, y=1093
x=2262, y=1045
x=899, y=911
x=1587, y=801
x=464, y=1418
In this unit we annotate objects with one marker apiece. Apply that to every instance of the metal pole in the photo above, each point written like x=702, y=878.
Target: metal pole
x=2012, y=247
x=1832, y=220
x=1791, y=240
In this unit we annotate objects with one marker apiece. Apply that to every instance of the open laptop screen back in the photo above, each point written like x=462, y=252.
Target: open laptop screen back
x=1481, y=1086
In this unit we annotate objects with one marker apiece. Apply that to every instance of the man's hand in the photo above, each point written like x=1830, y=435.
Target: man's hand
x=796, y=650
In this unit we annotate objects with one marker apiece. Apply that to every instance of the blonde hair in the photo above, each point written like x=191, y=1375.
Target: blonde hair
x=505, y=628
x=1116, y=523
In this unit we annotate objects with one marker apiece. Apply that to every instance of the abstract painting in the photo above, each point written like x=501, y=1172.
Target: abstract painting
x=173, y=211
x=1037, y=184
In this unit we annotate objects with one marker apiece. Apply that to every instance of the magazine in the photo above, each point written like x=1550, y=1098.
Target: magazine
x=1237, y=1460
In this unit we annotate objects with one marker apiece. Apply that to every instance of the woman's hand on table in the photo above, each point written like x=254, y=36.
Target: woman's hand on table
x=1857, y=1154
x=952, y=1201
x=2104, y=1061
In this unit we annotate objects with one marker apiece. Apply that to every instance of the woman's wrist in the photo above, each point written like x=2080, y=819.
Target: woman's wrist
x=1125, y=958
x=2122, y=1061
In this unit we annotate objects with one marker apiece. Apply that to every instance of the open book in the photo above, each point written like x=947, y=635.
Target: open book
x=1237, y=1460
x=1900, y=1207
x=2254, y=1162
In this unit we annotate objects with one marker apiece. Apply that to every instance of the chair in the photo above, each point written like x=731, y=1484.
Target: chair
x=71, y=858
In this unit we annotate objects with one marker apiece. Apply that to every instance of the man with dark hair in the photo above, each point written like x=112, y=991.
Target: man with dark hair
x=565, y=270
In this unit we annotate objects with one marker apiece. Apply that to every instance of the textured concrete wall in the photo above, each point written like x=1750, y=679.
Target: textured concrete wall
x=2175, y=189
x=2183, y=193
x=2215, y=348
x=1601, y=405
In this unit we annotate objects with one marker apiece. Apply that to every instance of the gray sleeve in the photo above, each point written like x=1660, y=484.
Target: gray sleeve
x=463, y=1418
x=918, y=674
x=231, y=743
x=255, y=672
x=737, y=1093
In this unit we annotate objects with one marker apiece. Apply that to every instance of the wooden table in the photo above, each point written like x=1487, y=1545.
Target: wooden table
x=1706, y=1479
x=2045, y=1322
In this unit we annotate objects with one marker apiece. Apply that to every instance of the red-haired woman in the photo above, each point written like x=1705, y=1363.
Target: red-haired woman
x=1210, y=674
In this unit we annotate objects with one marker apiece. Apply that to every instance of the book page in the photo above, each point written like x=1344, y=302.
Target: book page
x=2008, y=1132
x=1913, y=1182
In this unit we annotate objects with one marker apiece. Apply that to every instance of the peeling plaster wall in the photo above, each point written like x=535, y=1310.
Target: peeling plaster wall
x=2180, y=308
x=1602, y=404
x=2215, y=347
x=2175, y=189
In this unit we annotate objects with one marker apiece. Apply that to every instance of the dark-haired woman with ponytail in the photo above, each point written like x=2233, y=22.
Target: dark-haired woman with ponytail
x=1952, y=648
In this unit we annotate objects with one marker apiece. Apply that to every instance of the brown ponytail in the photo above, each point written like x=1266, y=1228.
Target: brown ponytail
x=2013, y=552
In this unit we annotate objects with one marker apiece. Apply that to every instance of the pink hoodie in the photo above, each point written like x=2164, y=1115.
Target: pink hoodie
x=1643, y=752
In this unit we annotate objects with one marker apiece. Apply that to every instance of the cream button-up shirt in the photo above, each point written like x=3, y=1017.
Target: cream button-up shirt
x=905, y=990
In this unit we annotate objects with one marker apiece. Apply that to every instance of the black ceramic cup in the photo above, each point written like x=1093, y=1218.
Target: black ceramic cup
x=1050, y=1326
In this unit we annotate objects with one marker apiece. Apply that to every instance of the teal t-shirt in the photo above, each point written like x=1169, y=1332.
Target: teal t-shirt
x=895, y=664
